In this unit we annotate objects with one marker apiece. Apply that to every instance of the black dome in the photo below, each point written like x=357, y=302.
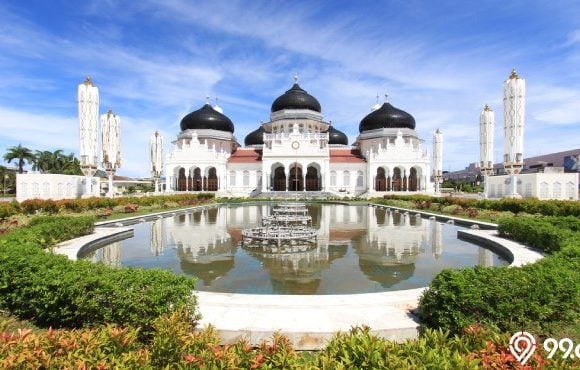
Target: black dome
x=296, y=98
x=387, y=116
x=336, y=137
x=207, y=118
x=255, y=137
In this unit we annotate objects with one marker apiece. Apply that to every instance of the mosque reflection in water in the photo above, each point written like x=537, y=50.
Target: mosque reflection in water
x=359, y=249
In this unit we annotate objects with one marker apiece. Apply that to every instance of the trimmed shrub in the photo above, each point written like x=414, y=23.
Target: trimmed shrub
x=538, y=297
x=549, y=234
x=51, y=290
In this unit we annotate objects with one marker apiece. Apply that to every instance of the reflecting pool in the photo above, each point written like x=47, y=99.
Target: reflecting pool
x=359, y=249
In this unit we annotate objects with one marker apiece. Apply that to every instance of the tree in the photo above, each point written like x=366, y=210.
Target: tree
x=22, y=154
x=56, y=162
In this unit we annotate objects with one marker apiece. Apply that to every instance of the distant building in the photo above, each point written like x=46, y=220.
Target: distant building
x=52, y=186
x=569, y=160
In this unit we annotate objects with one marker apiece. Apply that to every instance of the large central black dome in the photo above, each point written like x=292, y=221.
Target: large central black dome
x=387, y=116
x=296, y=98
x=206, y=118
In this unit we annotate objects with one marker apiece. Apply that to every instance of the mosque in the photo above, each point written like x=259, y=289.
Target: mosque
x=298, y=151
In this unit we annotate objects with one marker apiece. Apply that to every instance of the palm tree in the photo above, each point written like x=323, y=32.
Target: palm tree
x=57, y=162
x=20, y=153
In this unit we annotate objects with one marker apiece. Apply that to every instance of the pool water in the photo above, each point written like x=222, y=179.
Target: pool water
x=359, y=249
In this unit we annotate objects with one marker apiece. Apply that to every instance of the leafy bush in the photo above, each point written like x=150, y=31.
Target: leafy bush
x=547, y=233
x=538, y=297
x=53, y=291
x=33, y=206
x=528, y=205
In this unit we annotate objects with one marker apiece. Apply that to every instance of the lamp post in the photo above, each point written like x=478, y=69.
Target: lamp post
x=486, y=127
x=438, y=160
x=156, y=154
x=88, y=102
x=514, y=102
x=110, y=126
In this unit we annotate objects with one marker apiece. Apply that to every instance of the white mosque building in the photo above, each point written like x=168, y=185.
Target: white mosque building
x=298, y=151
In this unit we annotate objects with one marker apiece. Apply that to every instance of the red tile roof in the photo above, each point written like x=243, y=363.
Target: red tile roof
x=346, y=156
x=246, y=156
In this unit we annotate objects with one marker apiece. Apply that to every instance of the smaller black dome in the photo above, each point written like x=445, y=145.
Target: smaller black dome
x=206, y=118
x=296, y=98
x=336, y=136
x=387, y=116
x=255, y=137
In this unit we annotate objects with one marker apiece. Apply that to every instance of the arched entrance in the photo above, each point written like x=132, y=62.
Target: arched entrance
x=295, y=181
x=197, y=180
x=380, y=180
x=397, y=182
x=181, y=180
x=413, y=179
x=279, y=179
x=212, y=180
x=312, y=179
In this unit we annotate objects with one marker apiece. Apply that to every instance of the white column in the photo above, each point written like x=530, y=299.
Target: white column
x=514, y=109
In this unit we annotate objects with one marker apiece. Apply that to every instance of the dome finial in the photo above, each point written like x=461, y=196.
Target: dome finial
x=487, y=108
x=296, y=77
x=207, y=99
x=88, y=81
x=377, y=98
x=514, y=74
x=386, y=98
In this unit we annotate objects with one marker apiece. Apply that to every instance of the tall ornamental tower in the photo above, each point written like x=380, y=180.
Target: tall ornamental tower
x=486, y=127
x=514, y=101
x=111, y=142
x=88, y=100
x=156, y=154
x=438, y=159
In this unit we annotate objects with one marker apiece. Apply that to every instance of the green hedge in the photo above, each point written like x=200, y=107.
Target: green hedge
x=49, y=206
x=529, y=205
x=51, y=290
x=549, y=234
x=538, y=297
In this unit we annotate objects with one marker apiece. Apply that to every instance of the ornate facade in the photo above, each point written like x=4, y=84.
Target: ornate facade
x=298, y=151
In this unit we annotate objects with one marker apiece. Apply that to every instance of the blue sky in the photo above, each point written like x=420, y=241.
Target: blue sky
x=155, y=61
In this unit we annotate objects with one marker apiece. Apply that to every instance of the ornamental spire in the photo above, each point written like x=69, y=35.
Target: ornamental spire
x=487, y=108
x=514, y=74
x=88, y=81
x=296, y=77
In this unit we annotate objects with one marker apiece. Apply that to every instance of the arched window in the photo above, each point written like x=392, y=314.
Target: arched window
x=544, y=190
x=332, y=178
x=570, y=190
x=45, y=190
x=557, y=190
x=23, y=189
x=35, y=190
x=232, y=178
x=246, y=178
x=359, y=179
x=346, y=178
x=528, y=191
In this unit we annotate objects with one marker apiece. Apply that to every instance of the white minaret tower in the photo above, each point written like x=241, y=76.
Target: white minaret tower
x=88, y=100
x=486, y=127
x=156, y=153
x=514, y=102
x=438, y=159
x=111, y=141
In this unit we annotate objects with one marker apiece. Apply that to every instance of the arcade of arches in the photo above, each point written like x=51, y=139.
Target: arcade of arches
x=296, y=180
x=195, y=181
x=397, y=181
